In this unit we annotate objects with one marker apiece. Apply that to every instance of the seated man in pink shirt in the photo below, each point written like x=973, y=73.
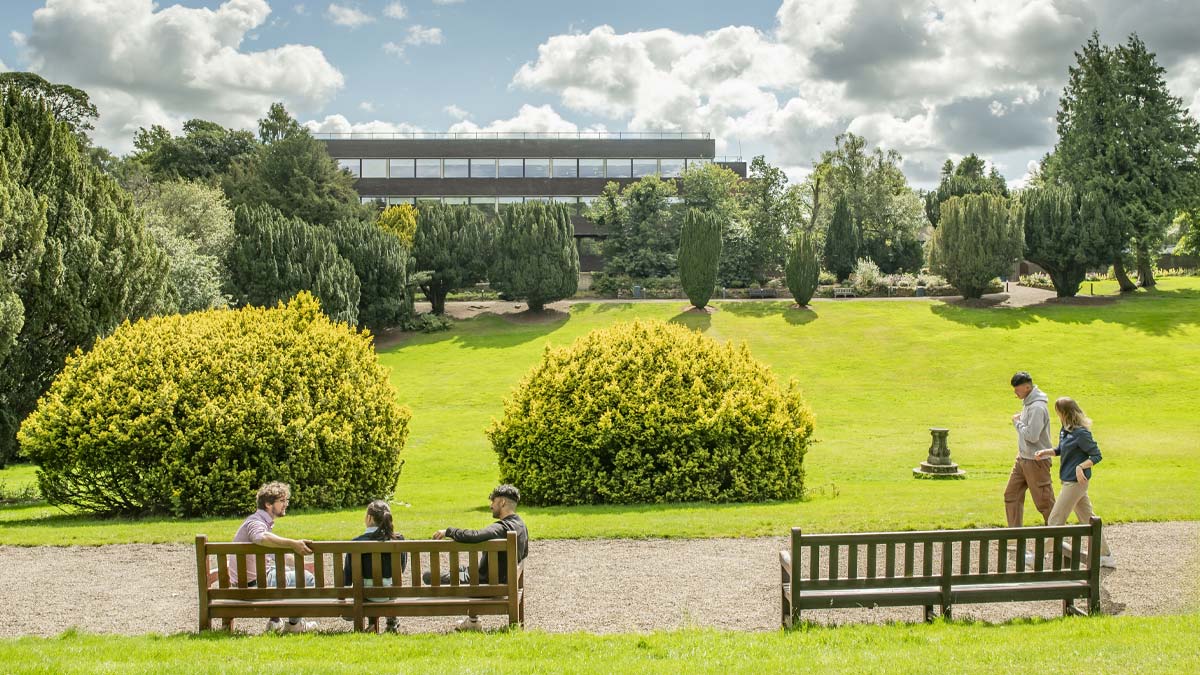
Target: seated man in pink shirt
x=272, y=502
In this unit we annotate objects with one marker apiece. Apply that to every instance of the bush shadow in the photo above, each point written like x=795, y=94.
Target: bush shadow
x=493, y=331
x=1152, y=312
x=694, y=320
x=755, y=308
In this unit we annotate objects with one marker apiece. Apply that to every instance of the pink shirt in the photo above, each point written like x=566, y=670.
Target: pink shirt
x=253, y=529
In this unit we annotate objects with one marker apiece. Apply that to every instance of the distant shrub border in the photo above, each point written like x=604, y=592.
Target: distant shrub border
x=650, y=412
x=188, y=415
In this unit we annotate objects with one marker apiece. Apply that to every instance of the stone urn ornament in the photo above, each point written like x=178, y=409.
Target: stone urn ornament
x=938, y=464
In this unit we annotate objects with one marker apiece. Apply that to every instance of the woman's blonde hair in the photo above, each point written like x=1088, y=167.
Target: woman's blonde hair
x=1071, y=414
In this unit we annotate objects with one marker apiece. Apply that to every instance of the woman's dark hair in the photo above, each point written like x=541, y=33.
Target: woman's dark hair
x=381, y=515
x=1021, y=377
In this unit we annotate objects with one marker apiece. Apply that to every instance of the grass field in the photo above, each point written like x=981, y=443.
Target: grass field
x=1097, y=645
x=878, y=374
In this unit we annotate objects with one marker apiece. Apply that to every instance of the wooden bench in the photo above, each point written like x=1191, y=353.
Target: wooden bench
x=940, y=567
x=759, y=293
x=225, y=595
x=843, y=292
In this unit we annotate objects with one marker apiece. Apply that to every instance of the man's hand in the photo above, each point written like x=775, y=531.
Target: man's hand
x=440, y=534
x=1044, y=454
x=1016, y=417
x=301, y=546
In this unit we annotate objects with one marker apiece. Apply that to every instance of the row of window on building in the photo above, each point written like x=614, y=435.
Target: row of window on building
x=518, y=168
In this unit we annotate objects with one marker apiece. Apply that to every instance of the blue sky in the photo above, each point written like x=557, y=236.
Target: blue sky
x=930, y=78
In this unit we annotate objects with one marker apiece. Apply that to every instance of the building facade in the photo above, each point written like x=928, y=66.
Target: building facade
x=489, y=170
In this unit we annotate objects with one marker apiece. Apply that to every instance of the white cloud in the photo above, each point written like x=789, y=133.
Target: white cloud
x=367, y=106
x=3, y=68
x=447, y=2
x=345, y=15
x=928, y=79
x=395, y=10
x=528, y=118
x=420, y=35
x=143, y=65
x=300, y=9
x=338, y=124
x=393, y=48
x=456, y=112
x=18, y=38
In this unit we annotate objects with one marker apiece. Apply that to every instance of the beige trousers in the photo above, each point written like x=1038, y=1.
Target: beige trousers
x=1074, y=497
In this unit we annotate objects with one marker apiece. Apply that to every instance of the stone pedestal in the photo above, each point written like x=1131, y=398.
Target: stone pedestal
x=938, y=464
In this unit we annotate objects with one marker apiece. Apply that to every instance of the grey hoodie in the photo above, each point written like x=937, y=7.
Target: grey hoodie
x=1033, y=426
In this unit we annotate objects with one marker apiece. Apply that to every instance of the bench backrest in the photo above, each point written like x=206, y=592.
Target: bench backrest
x=944, y=557
x=222, y=569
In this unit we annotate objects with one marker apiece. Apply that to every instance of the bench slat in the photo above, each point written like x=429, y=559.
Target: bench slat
x=473, y=567
x=1076, y=551
x=435, y=569
x=1039, y=554
x=814, y=562
x=939, y=535
x=872, y=563
x=908, y=559
x=852, y=562
x=319, y=569
x=1058, y=554
x=833, y=561
x=415, y=568
x=956, y=580
x=1022, y=548
x=222, y=572
x=454, y=565
x=377, y=569
x=927, y=559
x=891, y=559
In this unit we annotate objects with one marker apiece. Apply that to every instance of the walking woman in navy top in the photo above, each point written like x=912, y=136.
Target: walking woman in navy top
x=1079, y=453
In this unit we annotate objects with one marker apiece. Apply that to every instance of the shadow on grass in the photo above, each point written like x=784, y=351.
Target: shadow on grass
x=1159, y=313
x=755, y=308
x=601, y=307
x=490, y=331
x=694, y=320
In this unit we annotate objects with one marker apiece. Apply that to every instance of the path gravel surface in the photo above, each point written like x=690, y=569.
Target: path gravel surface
x=599, y=586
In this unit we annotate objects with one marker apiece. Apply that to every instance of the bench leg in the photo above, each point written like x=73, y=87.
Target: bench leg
x=521, y=612
x=947, y=612
x=227, y=625
x=928, y=613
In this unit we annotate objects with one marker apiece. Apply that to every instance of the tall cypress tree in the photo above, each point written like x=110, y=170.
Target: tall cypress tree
x=803, y=268
x=452, y=243
x=535, y=255
x=1064, y=233
x=274, y=257
x=841, y=241
x=699, y=255
x=75, y=257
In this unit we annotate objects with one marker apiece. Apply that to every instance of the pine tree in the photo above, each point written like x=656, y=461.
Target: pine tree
x=976, y=242
x=803, y=268
x=1064, y=234
x=535, y=255
x=452, y=243
x=699, y=255
x=274, y=257
x=75, y=257
x=841, y=241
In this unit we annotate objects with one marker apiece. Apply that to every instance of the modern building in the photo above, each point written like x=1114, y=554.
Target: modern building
x=489, y=170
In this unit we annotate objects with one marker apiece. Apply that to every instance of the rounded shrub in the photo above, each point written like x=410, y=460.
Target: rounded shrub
x=652, y=412
x=188, y=415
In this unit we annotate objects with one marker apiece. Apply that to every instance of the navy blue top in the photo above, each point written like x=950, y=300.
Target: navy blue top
x=367, y=571
x=1076, y=447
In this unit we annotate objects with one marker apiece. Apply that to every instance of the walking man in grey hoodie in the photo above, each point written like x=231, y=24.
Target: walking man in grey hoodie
x=1029, y=472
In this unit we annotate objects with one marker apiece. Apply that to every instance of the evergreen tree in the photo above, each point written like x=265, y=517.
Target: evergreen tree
x=400, y=220
x=385, y=271
x=769, y=215
x=535, y=255
x=205, y=151
x=1064, y=234
x=75, y=257
x=967, y=178
x=277, y=125
x=699, y=255
x=275, y=257
x=841, y=241
x=975, y=242
x=452, y=243
x=803, y=268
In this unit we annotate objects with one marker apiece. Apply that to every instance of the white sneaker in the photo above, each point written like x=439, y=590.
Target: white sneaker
x=1109, y=561
x=273, y=626
x=471, y=623
x=301, y=626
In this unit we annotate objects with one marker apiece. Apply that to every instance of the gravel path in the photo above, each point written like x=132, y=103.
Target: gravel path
x=600, y=586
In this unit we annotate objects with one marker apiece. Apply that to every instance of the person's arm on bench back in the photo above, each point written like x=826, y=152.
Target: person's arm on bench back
x=272, y=540
x=493, y=531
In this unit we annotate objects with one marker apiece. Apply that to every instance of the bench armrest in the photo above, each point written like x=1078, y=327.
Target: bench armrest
x=785, y=561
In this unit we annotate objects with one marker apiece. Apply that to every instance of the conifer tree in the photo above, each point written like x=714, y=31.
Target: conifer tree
x=75, y=257
x=451, y=243
x=841, y=241
x=384, y=268
x=535, y=255
x=803, y=269
x=975, y=242
x=699, y=255
x=1064, y=234
x=274, y=257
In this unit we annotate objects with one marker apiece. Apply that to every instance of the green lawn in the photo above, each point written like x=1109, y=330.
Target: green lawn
x=1096, y=645
x=877, y=374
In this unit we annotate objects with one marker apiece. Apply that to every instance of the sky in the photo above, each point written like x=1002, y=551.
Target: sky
x=781, y=78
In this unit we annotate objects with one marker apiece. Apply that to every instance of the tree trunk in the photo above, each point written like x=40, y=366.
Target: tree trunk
x=1127, y=285
x=1144, y=269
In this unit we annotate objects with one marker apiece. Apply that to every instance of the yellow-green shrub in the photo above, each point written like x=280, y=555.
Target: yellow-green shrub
x=188, y=415
x=652, y=412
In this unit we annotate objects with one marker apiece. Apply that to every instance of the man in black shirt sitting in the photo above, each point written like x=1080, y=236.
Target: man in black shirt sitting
x=504, y=509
